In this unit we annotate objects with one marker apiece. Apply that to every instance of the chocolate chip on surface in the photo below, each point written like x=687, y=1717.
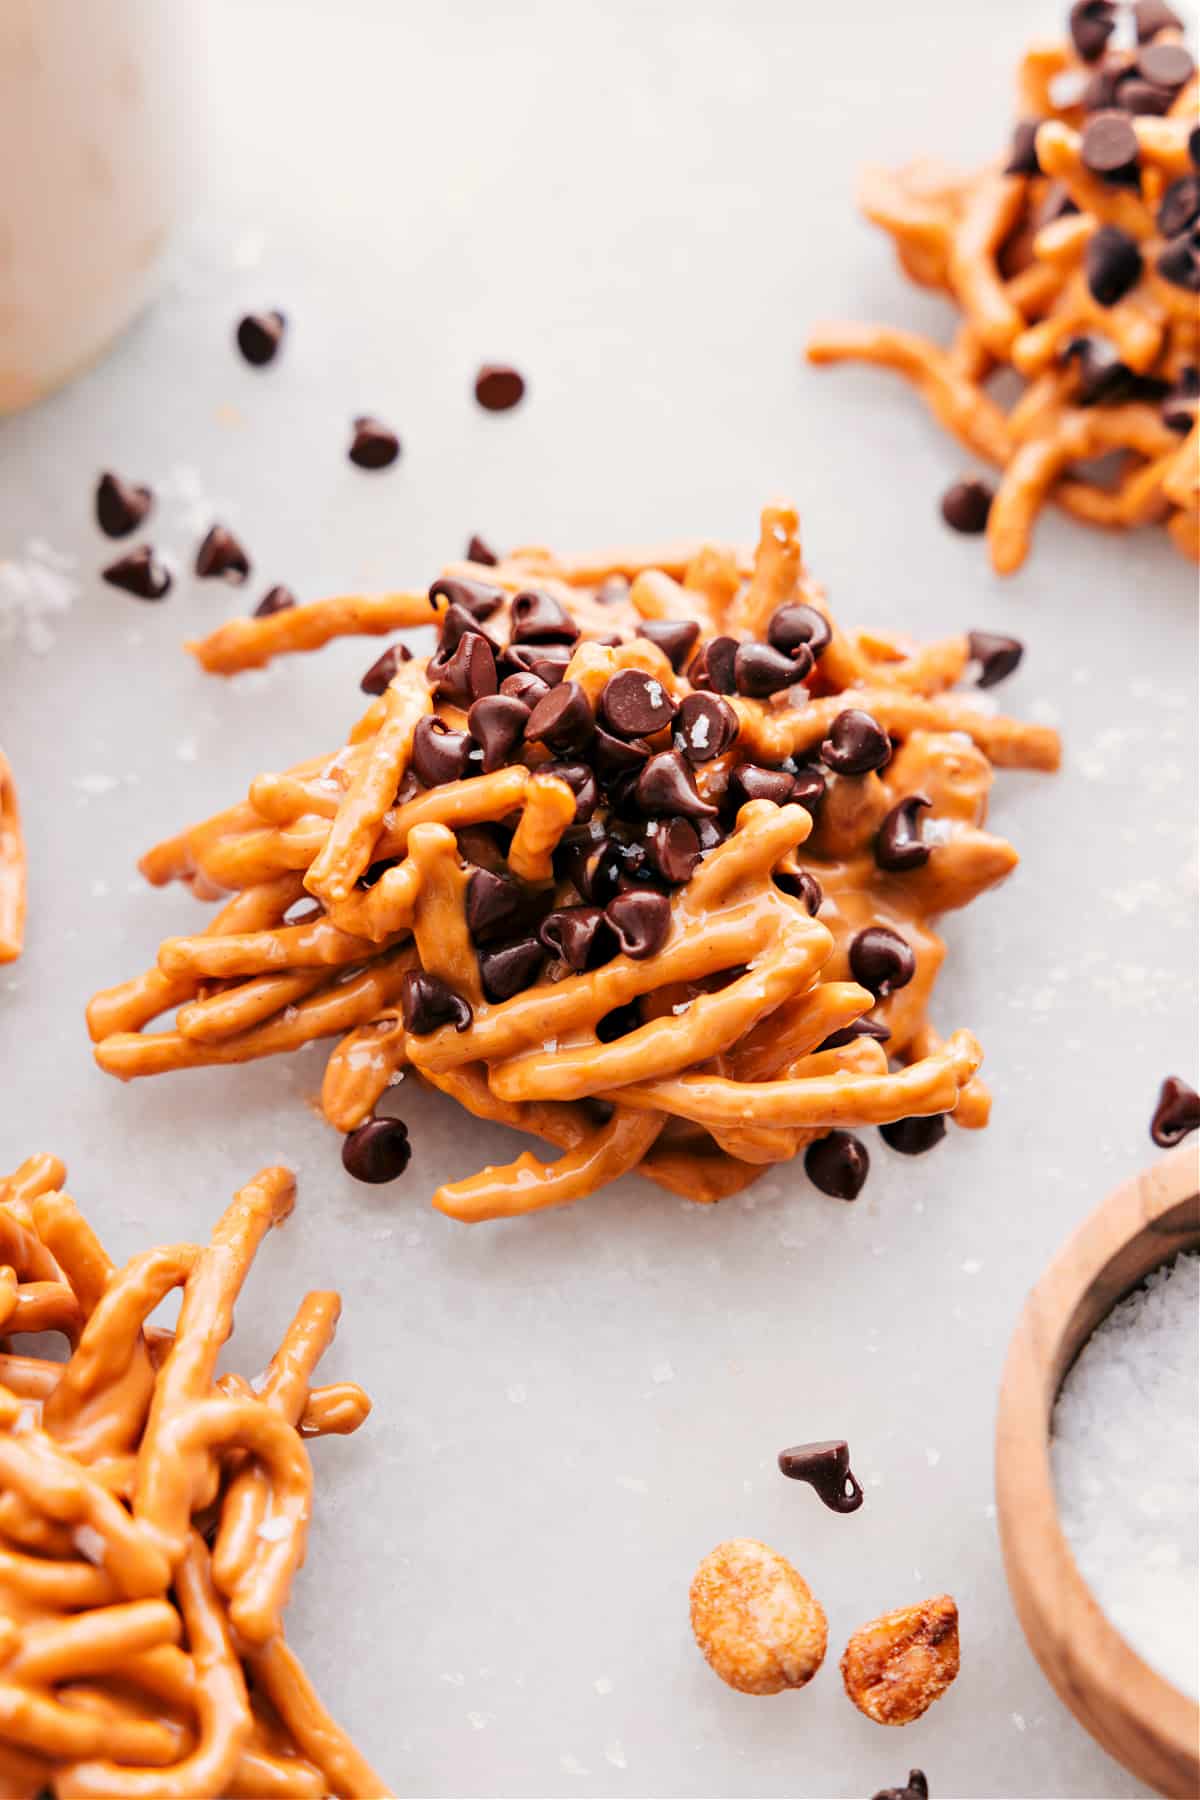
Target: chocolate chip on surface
x=864, y=1027
x=526, y=686
x=221, y=555
x=120, y=505
x=454, y=625
x=468, y=674
x=259, y=336
x=673, y=849
x=966, y=505
x=477, y=598
x=499, y=388
x=1091, y=23
x=1153, y=16
x=494, y=903
x=1194, y=146
x=794, y=625
x=826, y=1469
x=705, y=727
x=276, y=600
x=427, y=1003
x=749, y=782
x=1179, y=263
x=997, y=656
x=913, y=1137
x=1180, y=206
x=579, y=936
x=808, y=788
x=1104, y=380
x=1177, y=1113
x=438, y=754
x=838, y=1164
x=916, y=1789
x=641, y=920
x=480, y=551
x=635, y=705
x=374, y=445
x=385, y=668
x=538, y=618
x=497, y=723
x=856, y=744
x=1109, y=146
x=511, y=968
x=563, y=719
x=1022, y=155
x=676, y=638
x=617, y=756
x=377, y=1151
x=582, y=782
x=1166, y=65
x=666, y=787
x=759, y=671
x=711, y=669
x=1112, y=264
x=139, y=573
x=802, y=886
x=899, y=845
x=881, y=960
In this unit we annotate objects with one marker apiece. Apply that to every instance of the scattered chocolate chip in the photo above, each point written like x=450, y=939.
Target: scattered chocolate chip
x=1112, y=263
x=547, y=661
x=499, y=388
x=667, y=787
x=259, y=336
x=826, y=1468
x=997, y=656
x=917, y=1788
x=139, y=573
x=1177, y=1113
x=1179, y=263
x=497, y=723
x=563, y=719
x=1179, y=407
x=1103, y=379
x=541, y=619
x=480, y=551
x=706, y=726
x=455, y=624
x=439, y=754
x=582, y=783
x=881, y=960
x=1166, y=65
x=221, y=555
x=838, y=1164
x=1091, y=23
x=913, y=1137
x=674, y=637
x=374, y=445
x=619, y=1022
x=526, y=686
x=377, y=1151
x=899, y=846
x=1180, y=206
x=468, y=673
x=120, y=505
x=1109, y=147
x=428, y=1003
x=759, y=671
x=808, y=788
x=801, y=886
x=712, y=667
x=494, y=903
x=511, y=968
x=795, y=625
x=1022, y=155
x=278, y=599
x=1194, y=146
x=966, y=505
x=749, y=782
x=615, y=756
x=580, y=936
x=1141, y=97
x=641, y=920
x=634, y=704
x=1153, y=16
x=673, y=849
x=475, y=598
x=864, y=1027
x=385, y=668
x=856, y=744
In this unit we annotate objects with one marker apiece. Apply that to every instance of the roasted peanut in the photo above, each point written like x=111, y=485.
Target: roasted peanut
x=755, y=1619
x=895, y=1667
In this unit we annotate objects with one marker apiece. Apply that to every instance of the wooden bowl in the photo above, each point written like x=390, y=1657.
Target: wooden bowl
x=1135, y=1713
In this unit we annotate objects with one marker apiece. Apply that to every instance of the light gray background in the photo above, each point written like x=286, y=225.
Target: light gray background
x=642, y=206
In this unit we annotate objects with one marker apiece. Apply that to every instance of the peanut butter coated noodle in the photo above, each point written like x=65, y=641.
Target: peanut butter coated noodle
x=720, y=1043
x=1075, y=269
x=152, y=1516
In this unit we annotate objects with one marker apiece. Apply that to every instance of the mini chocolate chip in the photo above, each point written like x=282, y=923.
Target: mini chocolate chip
x=494, y=904
x=540, y=619
x=526, y=686
x=614, y=756
x=838, y=1164
x=1180, y=206
x=749, y=782
x=497, y=723
x=864, y=1027
x=966, y=505
x=259, y=336
x=428, y=1003
x=856, y=744
x=899, y=846
x=499, y=388
x=1091, y=23
x=913, y=1137
x=711, y=669
x=1104, y=380
x=881, y=960
x=1177, y=1113
x=1112, y=263
x=374, y=445
x=634, y=704
x=480, y=551
x=1153, y=16
x=1179, y=263
x=438, y=754
x=139, y=573
x=705, y=727
x=674, y=637
x=795, y=625
x=997, y=656
x=385, y=668
x=619, y=1022
x=1109, y=147
x=563, y=719
x=120, y=505
x=1166, y=65
x=474, y=597
x=673, y=849
x=808, y=788
x=1179, y=407
x=582, y=783
x=468, y=674
x=759, y=671
x=220, y=554
x=580, y=936
x=511, y=968
x=379, y=1150
x=826, y=1469
x=917, y=1788
x=801, y=886
x=666, y=787
x=641, y=920
x=275, y=600
x=1022, y=155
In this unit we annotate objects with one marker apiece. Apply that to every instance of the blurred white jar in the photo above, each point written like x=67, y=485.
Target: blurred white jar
x=95, y=115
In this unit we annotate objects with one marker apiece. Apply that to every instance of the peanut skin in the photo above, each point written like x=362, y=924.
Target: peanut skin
x=755, y=1619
